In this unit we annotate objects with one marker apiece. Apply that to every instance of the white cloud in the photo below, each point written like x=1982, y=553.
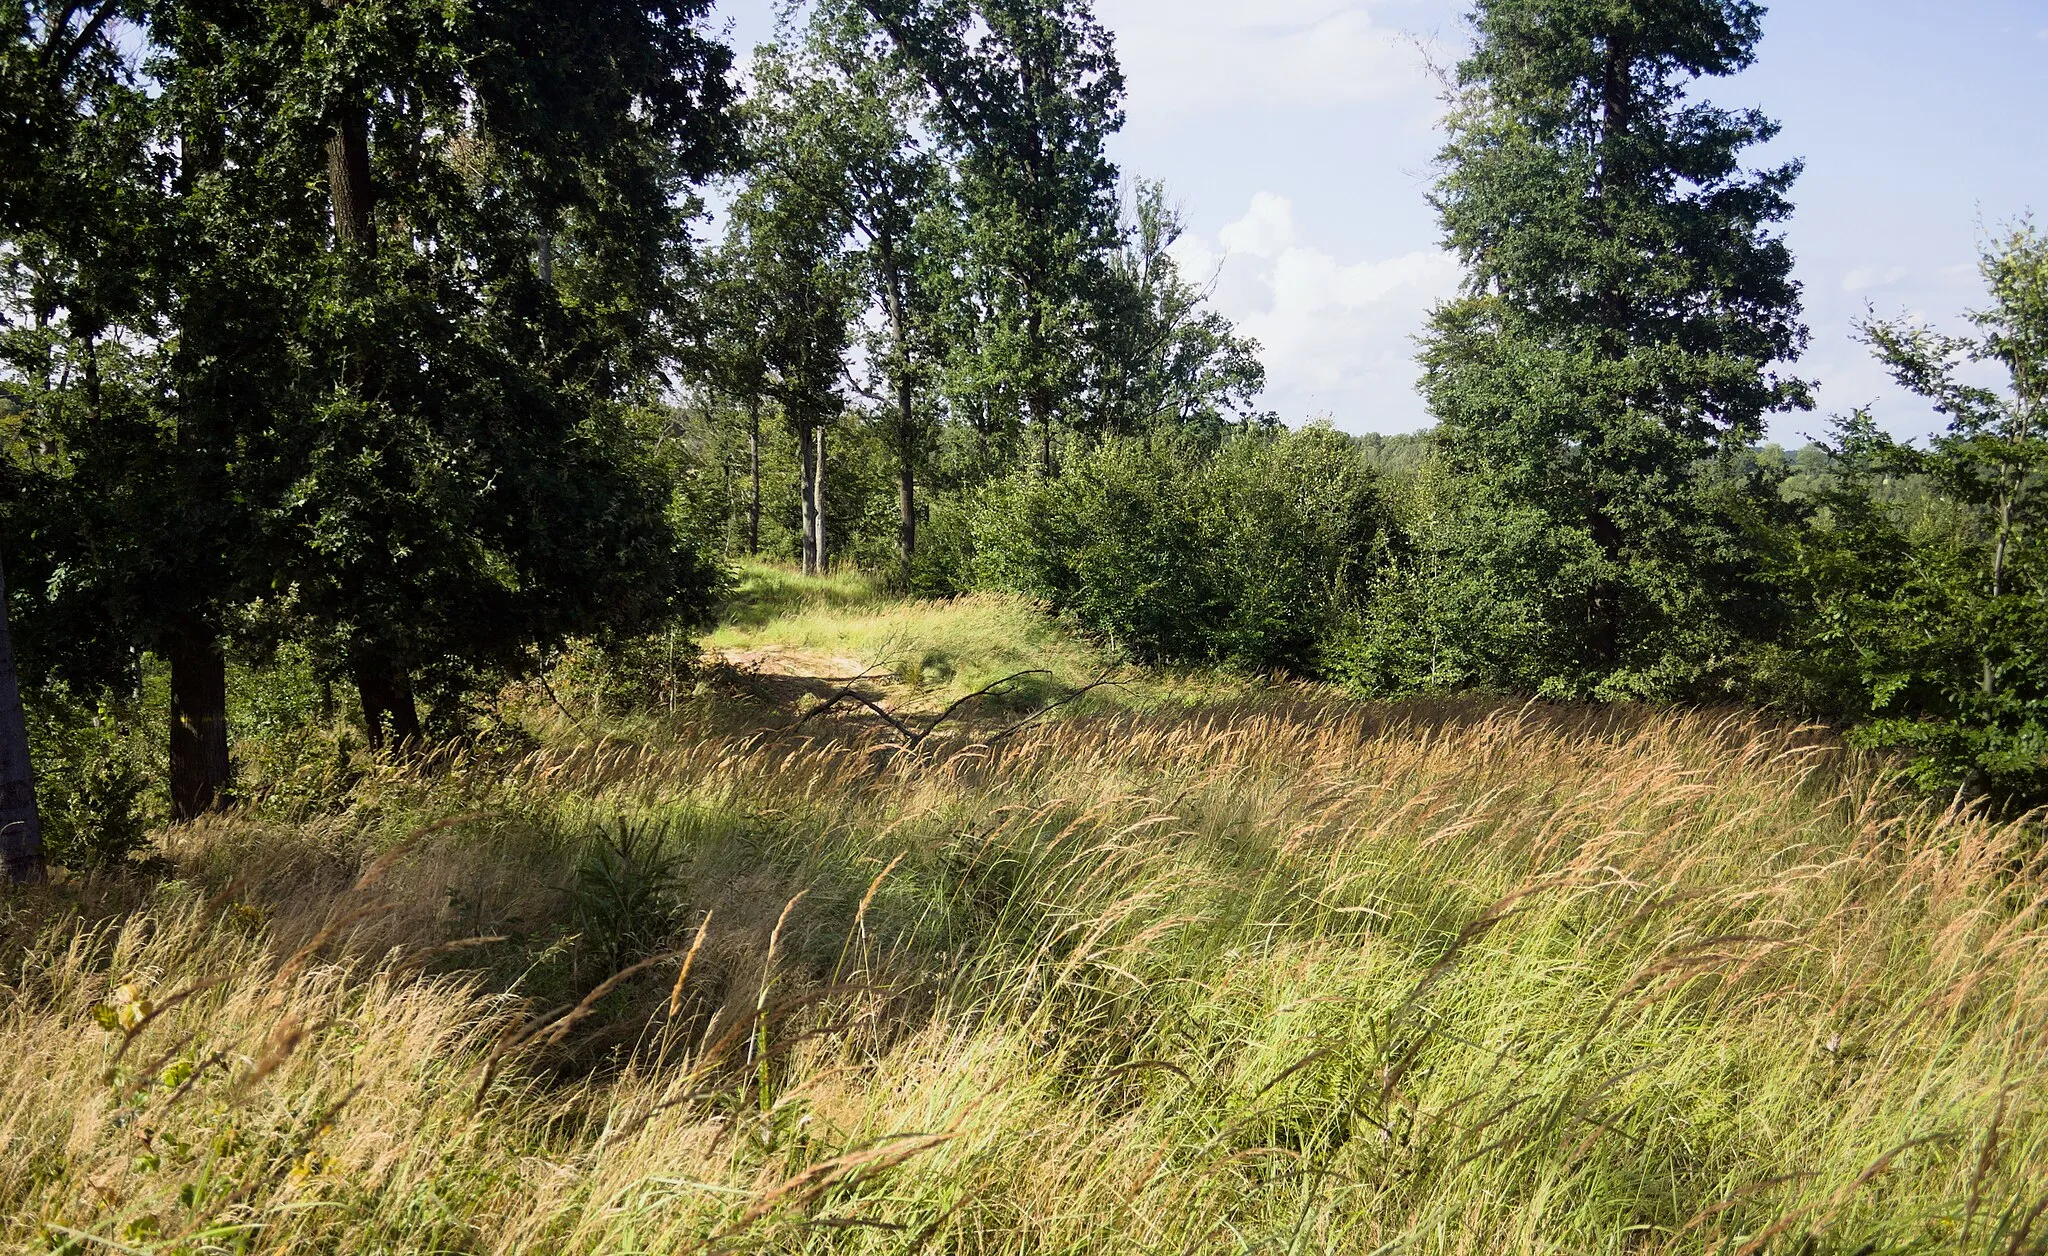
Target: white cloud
x=1197, y=55
x=1870, y=278
x=1266, y=231
x=1338, y=337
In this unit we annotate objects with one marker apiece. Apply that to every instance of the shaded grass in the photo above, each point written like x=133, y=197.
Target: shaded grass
x=1277, y=974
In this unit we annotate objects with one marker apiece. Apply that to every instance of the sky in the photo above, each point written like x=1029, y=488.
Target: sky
x=1298, y=137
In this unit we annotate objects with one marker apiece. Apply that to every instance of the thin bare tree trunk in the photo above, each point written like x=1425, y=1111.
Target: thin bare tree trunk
x=754, y=475
x=201, y=772
x=906, y=505
x=1041, y=414
x=382, y=686
x=806, y=442
x=906, y=410
x=21, y=829
x=818, y=546
x=2009, y=479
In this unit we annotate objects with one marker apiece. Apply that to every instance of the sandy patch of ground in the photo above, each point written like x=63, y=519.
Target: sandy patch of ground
x=802, y=664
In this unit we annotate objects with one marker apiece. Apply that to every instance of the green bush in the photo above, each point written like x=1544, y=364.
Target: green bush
x=1909, y=636
x=93, y=779
x=944, y=564
x=1243, y=556
x=1485, y=592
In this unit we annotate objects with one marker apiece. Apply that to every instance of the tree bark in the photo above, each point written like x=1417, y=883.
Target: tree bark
x=754, y=475
x=201, y=772
x=818, y=545
x=388, y=708
x=2010, y=479
x=806, y=441
x=906, y=503
x=390, y=718
x=1617, y=88
x=21, y=829
x=348, y=181
x=906, y=410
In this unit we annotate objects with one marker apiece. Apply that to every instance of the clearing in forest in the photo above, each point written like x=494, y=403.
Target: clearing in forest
x=1194, y=965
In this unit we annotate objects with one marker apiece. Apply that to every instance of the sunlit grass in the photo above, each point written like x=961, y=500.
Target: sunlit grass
x=767, y=592
x=936, y=650
x=1283, y=974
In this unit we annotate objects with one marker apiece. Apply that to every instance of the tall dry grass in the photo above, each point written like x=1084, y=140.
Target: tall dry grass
x=1288, y=976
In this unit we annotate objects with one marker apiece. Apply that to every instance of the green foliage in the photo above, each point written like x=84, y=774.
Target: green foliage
x=627, y=895
x=1627, y=308
x=1467, y=599
x=656, y=673
x=1399, y=458
x=334, y=327
x=1025, y=95
x=945, y=548
x=1163, y=360
x=96, y=798
x=1242, y=556
x=1931, y=612
x=1484, y=590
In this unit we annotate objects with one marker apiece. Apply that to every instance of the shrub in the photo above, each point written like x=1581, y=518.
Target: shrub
x=1244, y=556
x=93, y=779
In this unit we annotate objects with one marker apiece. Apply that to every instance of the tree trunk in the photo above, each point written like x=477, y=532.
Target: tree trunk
x=348, y=180
x=92, y=377
x=754, y=475
x=2009, y=478
x=1617, y=88
x=201, y=772
x=906, y=503
x=1041, y=414
x=1617, y=91
x=21, y=829
x=1603, y=599
x=806, y=441
x=386, y=694
x=906, y=409
x=824, y=558
x=382, y=686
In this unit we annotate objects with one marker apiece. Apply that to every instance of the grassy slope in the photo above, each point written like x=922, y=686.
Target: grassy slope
x=1278, y=973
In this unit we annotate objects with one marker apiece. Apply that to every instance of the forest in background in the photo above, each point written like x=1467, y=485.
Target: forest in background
x=595, y=661
x=390, y=349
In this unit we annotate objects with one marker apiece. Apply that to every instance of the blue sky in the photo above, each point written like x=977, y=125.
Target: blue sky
x=1298, y=137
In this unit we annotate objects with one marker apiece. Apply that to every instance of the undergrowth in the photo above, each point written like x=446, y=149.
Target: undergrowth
x=1274, y=973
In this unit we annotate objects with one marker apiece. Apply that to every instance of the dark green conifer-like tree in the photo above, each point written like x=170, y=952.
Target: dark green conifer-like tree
x=1627, y=312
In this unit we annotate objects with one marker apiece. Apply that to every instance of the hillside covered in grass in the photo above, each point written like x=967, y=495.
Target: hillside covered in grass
x=1193, y=965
